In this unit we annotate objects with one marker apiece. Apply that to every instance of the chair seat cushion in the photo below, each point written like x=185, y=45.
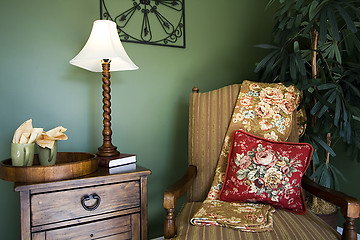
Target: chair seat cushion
x=286, y=226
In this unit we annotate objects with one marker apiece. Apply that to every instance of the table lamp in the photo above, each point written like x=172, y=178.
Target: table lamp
x=102, y=48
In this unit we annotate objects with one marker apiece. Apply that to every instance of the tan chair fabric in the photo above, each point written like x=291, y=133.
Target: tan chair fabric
x=213, y=109
x=287, y=226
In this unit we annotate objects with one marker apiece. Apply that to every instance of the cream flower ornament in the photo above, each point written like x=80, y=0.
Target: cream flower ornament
x=26, y=133
x=47, y=139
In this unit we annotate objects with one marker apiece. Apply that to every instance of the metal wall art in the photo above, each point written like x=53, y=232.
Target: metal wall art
x=156, y=22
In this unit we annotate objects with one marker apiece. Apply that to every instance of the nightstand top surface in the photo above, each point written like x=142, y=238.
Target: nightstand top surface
x=101, y=176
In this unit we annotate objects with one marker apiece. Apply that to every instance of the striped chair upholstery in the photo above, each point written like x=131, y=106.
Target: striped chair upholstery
x=209, y=117
x=286, y=226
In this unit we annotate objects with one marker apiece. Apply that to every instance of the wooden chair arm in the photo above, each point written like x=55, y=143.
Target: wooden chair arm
x=349, y=206
x=171, y=194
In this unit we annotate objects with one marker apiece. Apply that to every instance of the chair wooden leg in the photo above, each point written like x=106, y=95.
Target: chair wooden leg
x=169, y=225
x=349, y=231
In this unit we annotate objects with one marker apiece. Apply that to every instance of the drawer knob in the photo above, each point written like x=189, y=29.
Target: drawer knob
x=89, y=197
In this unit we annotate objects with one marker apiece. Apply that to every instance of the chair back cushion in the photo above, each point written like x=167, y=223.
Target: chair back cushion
x=209, y=117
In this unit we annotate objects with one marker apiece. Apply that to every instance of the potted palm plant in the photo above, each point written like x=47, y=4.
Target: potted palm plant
x=316, y=46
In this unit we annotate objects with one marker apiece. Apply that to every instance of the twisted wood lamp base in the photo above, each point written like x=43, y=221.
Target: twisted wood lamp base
x=107, y=149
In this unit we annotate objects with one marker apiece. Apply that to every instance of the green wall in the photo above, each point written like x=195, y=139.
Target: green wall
x=149, y=106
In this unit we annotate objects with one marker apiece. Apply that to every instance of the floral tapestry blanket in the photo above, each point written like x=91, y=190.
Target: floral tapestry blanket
x=264, y=110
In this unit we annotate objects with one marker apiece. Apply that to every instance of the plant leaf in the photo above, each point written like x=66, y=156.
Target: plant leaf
x=337, y=111
x=324, y=145
x=339, y=173
x=330, y=100
x=266, y=46
x=326, y=86
x=296, y=46
x=313, y=10
x=353, y=88
x=333, y=24
x=298, y=20
x=354, y=40
x=345, y=113
x=298, y=4
x=348, y=133
x=335, y=179
x=269, y=4
x=283, y=23
x=316, y=175
x=323, y=99
x=290, y=23
x=315, y=157
x=356, y=118
x=283, y=69
x=293, y=67
x=270, y=66
x=337, y=53
x=323, y=27
x=349, y=23
x=355, y=111
x=325, y=179
x=301, y=65
x=316, y=108
x=262, y=63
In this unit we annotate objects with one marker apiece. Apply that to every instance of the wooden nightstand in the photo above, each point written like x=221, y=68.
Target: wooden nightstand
x=96, y=206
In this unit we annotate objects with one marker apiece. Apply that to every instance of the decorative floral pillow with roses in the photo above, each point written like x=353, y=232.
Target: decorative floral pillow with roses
x=261, y=170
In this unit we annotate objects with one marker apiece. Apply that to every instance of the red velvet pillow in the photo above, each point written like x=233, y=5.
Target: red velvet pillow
x=261, y=170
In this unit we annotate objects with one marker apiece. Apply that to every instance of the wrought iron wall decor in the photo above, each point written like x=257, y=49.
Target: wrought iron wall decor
x=156, y=22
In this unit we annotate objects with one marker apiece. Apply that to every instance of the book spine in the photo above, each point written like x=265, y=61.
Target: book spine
x=112, y=162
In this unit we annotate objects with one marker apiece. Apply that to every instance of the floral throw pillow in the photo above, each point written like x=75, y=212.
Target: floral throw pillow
x=262, y=170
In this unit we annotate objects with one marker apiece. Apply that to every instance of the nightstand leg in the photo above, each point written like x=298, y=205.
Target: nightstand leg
x=25, y=215
x=144, y=210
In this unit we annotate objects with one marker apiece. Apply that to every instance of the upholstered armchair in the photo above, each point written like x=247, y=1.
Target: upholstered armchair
x=209, y=116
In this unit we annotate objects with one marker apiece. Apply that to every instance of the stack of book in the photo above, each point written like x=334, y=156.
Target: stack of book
x=123, y=163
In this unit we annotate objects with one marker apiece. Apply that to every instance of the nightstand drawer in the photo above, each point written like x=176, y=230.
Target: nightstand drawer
x=83, y=202
x=115, y=228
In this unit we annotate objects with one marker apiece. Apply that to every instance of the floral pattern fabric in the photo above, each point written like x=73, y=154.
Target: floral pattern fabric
x=263, y=109
x=242, y=216
x=261, y=170
x=266, y=111
x=301, y=121
x=252, y=118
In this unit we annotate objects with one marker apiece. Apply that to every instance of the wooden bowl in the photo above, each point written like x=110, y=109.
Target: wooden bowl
x=68, y=165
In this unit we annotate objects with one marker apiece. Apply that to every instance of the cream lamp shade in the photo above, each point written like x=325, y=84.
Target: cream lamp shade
x=103, y=43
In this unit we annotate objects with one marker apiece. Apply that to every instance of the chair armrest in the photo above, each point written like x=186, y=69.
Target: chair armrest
x=349, y=206
x=171, y=194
